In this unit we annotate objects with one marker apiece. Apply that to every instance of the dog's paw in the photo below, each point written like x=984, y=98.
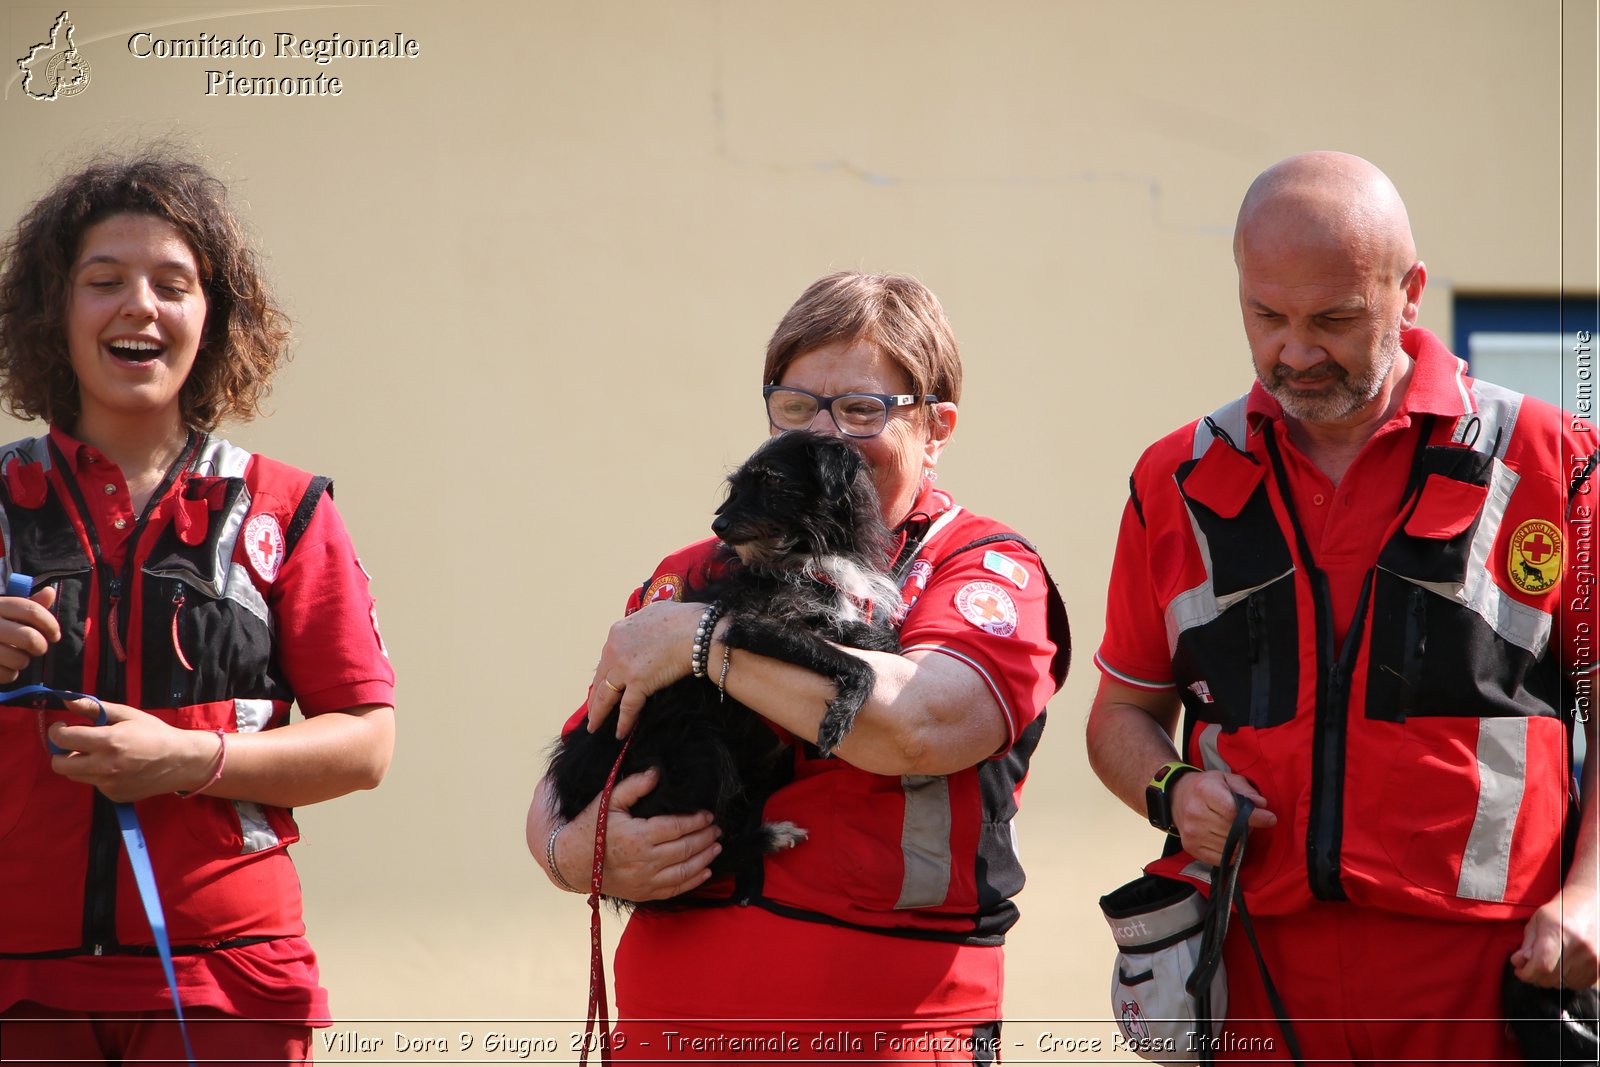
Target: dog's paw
x=837, y=722
x=782, y=835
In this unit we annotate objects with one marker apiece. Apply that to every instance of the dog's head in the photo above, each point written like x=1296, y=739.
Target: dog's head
x=801, y=496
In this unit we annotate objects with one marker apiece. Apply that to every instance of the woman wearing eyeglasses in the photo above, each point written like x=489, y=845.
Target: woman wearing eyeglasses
x=879, y=937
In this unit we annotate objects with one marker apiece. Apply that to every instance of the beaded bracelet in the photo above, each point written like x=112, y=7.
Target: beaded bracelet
x=550, y=859
x=216, y=774
x=702, y=638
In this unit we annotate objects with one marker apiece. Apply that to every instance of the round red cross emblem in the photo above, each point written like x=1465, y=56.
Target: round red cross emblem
x=988, y=607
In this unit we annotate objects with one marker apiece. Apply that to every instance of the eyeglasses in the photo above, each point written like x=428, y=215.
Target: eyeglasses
x=856, y=414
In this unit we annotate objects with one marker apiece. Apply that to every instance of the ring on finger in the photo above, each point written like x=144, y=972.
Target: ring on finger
x=613, y=688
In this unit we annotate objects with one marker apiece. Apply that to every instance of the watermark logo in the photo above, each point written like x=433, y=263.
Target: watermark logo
x=55, y=69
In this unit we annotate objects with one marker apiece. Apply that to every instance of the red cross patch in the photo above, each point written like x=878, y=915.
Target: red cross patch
x=1534, y=565
x=988, y=607
x=666, y=587
x=263, y=545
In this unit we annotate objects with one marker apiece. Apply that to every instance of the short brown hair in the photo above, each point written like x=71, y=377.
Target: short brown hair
x=895, y=312
x=246, y=334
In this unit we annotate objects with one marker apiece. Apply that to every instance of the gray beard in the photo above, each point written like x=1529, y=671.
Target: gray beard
x=1343, y=395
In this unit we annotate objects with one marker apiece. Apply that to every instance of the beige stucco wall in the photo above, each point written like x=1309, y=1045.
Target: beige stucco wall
x=533, y=270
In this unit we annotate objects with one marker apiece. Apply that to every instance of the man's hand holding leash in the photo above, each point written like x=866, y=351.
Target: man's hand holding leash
x=1203, y=807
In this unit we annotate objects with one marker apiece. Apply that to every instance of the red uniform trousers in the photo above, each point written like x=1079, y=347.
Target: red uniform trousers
x=1370, y=986
x=663, y=1044
x=31, y=1034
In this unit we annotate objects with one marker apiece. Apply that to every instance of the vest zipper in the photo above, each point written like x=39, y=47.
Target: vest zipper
x=1260, y=665
x=177, y=643
x=105, y=836
x=1336, y=666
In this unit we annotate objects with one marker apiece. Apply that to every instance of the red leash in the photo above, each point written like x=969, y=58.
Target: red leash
x=598, y=1015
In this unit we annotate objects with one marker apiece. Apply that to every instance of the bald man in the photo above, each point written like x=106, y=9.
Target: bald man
x=1357, y=585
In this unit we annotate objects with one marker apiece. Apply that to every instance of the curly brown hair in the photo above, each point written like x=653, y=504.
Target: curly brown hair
x=246, y=334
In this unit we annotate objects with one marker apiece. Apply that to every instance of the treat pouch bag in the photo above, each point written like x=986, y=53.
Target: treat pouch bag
x=1158, y=924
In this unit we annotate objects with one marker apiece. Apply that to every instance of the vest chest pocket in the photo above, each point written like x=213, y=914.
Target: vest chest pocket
x=1235, y=637
x=199, y=648
x=1446, y=638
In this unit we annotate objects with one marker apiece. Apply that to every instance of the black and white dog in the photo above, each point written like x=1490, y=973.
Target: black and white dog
x=801, y=565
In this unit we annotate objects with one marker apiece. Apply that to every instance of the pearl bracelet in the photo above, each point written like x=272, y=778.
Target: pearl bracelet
x=702, y=638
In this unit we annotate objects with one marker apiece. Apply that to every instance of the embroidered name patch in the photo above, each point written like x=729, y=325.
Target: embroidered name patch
x=1006, y=567
x=263, y=546
x=988, y=607
x=1535, y=563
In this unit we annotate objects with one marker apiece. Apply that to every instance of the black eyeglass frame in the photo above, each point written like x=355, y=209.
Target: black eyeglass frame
x=890, y=402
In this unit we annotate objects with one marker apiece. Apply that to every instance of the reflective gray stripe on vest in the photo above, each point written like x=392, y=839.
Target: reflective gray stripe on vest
x=226, y=460
x=223, y=460
x=1491, y=425
x=250, y=717
x=925, y=841
x=1519, y=624
x=1489, y=431
x=1201, y=605
x=1206, y=742
x=1230, y=419
x=1502, y=765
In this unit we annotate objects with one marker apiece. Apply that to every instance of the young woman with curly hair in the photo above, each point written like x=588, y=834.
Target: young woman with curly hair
x=197, y=590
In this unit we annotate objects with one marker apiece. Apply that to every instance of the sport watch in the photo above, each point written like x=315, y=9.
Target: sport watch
x=1158, y=795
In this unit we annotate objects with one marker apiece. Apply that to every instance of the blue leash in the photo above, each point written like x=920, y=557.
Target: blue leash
x=144, y=876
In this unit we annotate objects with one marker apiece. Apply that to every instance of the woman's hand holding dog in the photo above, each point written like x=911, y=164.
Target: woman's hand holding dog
x=652, y=859
x=646, y=859
x=644, y=652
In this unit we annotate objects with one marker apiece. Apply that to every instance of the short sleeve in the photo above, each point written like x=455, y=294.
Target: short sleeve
x=326, y=622
x=989, y=608
x=1134, y=650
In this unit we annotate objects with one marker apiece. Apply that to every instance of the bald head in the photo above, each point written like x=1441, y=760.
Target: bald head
x=1328, y=283
x=1327, y=203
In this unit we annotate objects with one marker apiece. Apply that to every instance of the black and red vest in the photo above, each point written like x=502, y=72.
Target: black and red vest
x=1421, y=764
x=184, y=632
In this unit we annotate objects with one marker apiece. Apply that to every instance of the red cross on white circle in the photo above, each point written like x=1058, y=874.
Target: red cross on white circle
x=1537, y=548
x=263, y=543
x=989, y=605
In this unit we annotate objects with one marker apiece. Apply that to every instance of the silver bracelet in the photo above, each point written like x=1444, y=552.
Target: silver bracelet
x=550, y=859
x=722, y=683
